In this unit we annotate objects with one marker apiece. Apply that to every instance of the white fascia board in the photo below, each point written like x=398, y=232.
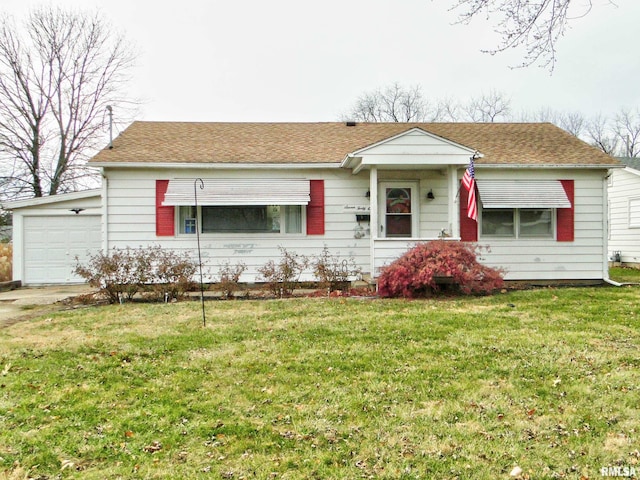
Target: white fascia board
x=632, y=171
x=49, y=199
x=414, y=160
x=219, y=166
x=406, y=161
x=558, y=166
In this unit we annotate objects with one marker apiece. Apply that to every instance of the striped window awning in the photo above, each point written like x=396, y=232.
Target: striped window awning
x=522, y=194
x=237, y=192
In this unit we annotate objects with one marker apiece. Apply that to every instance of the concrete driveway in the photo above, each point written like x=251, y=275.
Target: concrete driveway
x=26, y=302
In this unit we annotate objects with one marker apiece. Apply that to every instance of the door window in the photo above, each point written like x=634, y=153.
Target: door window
x=398, y=211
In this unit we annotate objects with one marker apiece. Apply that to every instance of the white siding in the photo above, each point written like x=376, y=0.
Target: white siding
x=624, y=201
x=582, y=259
x=531, y=259
x=131, y=220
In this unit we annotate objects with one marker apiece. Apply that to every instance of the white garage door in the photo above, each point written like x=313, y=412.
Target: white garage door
x=52, y=243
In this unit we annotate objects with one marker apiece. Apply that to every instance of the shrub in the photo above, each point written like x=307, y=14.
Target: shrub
x=171, y=273
x=282, y=277
x=228, y=278
x=333, y=272
x=416, y=273
x=6, y=262
x=118, y=274
x=122, y=273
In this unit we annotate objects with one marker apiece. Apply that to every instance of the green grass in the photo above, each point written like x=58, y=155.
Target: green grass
x=625, y=274
x=546, y=380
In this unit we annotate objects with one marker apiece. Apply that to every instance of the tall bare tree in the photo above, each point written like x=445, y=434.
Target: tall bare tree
x=394, y=103
x=59, y=70
x=535, y=26
x=489, y=107
x=601, y=135
x=627, y=128
x=573, y=122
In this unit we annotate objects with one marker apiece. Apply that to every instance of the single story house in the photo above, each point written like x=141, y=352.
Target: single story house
x=624, y=213
x=367, y=191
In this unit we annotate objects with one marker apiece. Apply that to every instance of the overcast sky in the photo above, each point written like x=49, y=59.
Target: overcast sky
x=291, y=60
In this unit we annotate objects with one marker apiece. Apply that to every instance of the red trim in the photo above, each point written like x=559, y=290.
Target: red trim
x=468, y=226
x=315, y=208
x=565, y=217
x=165, y=216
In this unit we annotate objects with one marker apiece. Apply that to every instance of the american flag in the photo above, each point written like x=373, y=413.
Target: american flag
x=469, y=182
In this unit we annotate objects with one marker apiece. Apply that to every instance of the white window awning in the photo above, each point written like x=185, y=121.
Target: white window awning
x=237, y=192
x=522, y=194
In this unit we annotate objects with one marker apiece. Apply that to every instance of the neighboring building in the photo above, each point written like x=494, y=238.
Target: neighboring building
x=366, y=190
x=624, y=213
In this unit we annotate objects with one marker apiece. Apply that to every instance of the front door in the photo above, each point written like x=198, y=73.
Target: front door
x=398, y=209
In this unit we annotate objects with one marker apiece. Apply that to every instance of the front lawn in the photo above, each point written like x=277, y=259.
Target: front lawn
x=543, y=380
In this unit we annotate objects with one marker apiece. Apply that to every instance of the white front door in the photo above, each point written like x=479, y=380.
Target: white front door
x=398, y=209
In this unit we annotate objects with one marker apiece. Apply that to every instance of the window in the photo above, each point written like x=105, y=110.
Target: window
x=517, y=222
x=247, y=219
x=398, y=207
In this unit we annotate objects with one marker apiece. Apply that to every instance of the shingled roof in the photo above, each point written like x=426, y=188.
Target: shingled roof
x=156, y=143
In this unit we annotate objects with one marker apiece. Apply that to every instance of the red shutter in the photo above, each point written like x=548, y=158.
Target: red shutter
x=315, y=208
x=565, y=216
x=165, y=216
x=468, y=226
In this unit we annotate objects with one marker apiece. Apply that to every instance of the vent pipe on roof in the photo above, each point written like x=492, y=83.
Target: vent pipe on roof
x=350, y=123
x=110, y=110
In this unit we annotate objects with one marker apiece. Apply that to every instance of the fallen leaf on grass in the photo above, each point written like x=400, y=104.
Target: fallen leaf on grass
x=6, y=369
x=128, y=434
x=153, y=448
x=516, y=472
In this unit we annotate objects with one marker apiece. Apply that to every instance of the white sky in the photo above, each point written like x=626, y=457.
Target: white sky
x=291, y=60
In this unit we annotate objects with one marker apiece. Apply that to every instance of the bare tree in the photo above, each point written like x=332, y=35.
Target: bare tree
x=58, y=72
x=600, y=135
x=394, y=103
x=627, y=129
x=489, y=107
x=535, y=26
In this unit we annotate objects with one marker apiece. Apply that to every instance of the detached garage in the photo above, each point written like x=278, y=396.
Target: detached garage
x=49, y=232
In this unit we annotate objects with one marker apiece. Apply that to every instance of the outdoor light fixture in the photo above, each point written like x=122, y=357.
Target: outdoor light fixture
x=430, y=195
x=368, y=194
x=76, y=210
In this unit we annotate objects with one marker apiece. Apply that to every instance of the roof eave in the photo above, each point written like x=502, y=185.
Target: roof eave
x=62, y=197
x=548, y=165
x=216, y=166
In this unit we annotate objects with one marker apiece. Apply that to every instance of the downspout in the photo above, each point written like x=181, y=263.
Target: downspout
x=105, y=213
x=605, y=234
x=373, y=219
x=454, y=210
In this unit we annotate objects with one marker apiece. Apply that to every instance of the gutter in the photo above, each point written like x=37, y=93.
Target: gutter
x=217, y=166
x=479, y=166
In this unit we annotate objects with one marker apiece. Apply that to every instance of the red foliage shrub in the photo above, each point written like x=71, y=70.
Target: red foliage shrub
x=420, y=271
